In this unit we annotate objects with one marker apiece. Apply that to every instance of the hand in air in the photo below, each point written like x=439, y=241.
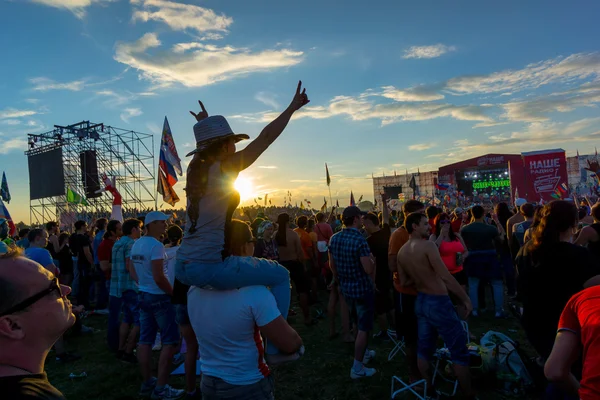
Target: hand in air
x=300, y=98
x=202, y=114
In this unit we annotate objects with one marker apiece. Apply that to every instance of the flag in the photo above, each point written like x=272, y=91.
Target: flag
x=169, y=165
x=301, y=205
x=337, y=203
x=75, y=198
x=352, y=202
x=413, y=183
x=12, y=229
x=327, y=173
x=266, y=197
x=442, y=186
x=541, y=200
x=270, y=202
x=564, y=189
x=577, y=153
x=324, y=206
x=4, y=192
x=167, y=191
x=360, y=198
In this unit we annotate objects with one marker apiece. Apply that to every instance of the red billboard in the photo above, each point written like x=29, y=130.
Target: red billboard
x=544, y=172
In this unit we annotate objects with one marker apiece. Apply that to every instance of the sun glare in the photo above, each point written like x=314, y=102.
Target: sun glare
x=244, y=187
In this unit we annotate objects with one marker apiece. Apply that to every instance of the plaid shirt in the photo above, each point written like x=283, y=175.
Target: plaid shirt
x=346, y=248
x=120, y=280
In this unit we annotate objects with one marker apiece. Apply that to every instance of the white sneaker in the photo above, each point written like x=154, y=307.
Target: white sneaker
x=168, y=393
x=363, y=373
x=369, y=355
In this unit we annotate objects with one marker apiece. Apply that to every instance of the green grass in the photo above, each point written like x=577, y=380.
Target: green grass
x=323, y=373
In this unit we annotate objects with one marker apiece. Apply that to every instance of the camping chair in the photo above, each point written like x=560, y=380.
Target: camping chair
x=405, y=387
x=399, y=345
x=443, y=354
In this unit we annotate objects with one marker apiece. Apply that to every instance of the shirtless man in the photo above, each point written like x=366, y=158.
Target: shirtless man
x=420, y=263
x=515, y=219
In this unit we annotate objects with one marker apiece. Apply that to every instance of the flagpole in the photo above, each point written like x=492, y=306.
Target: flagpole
x=330, y=199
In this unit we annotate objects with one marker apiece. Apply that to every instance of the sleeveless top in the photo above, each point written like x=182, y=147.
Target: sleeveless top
x=594, y=247
x=208, y=244
x=448, y=252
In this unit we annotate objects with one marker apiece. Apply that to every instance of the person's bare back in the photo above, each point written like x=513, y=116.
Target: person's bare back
x=415, y=266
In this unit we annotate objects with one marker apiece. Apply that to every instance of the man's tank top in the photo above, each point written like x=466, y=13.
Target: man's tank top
x=207, y=243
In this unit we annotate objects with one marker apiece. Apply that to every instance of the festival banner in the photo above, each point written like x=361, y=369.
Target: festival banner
x=545, y=173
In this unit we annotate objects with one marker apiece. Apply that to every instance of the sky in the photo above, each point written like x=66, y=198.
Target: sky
x=394, y=85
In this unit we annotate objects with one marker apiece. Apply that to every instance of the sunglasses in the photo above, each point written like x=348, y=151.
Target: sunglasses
x=54, y=286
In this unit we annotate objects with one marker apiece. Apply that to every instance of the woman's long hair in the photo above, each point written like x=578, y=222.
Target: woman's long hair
x=197, y=178
x=438, y=226
x=557, y=217
x=503, y=213
x=281, y=235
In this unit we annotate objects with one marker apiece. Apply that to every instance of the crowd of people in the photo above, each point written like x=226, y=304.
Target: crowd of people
x=223, y=286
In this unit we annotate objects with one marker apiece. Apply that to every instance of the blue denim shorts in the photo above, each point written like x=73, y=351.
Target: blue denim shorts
x=181, y=314
x=157, y=312
x=437, y=317
x=363, y=311
x=216, y=389
x=130, y=307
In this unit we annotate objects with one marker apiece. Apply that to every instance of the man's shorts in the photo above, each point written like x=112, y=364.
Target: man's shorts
x=406, y=319
x=181, y=314
x=157, y=312
x=362, y=311
x=130, y=307
x=437, y=317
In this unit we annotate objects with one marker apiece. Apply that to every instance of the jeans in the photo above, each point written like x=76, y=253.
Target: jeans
x=497, y=287
x=217, y=389
x=157, y=312
x=363, y=311
x=236, y=272
x=437, y=317
x=508, y=267
x=101, y=288
x=130, y=307
x=114, y=315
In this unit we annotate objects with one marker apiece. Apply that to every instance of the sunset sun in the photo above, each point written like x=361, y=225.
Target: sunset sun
x=245, y=187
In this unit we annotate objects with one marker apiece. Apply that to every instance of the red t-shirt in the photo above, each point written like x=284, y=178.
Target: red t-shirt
x=456, y=224
x=582, y=316
x=105, y=252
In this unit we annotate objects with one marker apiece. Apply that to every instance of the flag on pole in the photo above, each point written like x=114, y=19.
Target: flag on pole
x=4, y=192
x=12, y=229
x=577, y=153
x=337, y=203
x=324, y=206
x=169, y=165
x=301, y=205
x=360, y=198
x=327, y=173
x=352, y=202
x=75, y=198
x=266, y=197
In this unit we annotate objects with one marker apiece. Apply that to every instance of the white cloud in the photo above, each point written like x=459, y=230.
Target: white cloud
x=268, y=166
x=267, y=99
x=433, y=51
x=205, y=65
x=10, y=122
x=180, y=16
x=14, y=143
x=32, y=101
x=420, y=146
x=14, y=113
x=77, y=7
x=557, y=70
x=130, y=113
x=43, y=84
x=153, y=127
x=417, y=93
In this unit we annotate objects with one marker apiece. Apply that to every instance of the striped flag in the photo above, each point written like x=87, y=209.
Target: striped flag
x=12, y=229
x=169, y=165
x=4, y=192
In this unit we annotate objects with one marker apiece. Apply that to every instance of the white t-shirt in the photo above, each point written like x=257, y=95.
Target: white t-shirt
x=171, y=252
x=144, y=251
x=227, y=323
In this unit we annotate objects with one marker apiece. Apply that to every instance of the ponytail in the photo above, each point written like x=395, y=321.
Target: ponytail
x=281, y=235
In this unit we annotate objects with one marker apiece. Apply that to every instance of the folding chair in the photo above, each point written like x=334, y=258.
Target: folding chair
x=408, y=388
x=443, y=354
x=399, y=346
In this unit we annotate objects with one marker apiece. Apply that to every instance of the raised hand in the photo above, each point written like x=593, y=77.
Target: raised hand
x=300, y=98
x=202, y=114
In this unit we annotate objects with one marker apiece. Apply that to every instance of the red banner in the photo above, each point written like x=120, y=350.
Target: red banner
x=545, y=171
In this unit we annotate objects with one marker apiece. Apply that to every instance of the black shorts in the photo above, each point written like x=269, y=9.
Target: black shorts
x=383, y=301
x=406, y=319
x=461, y=277
x=297, y=275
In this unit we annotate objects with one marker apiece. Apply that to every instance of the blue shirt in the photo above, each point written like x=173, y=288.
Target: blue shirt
x=23, y=243
x=39, y=255
x=519, y=231
x=97, y=240
x=347, y=247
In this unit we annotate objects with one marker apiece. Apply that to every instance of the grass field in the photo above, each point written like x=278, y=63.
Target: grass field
x=323, y=373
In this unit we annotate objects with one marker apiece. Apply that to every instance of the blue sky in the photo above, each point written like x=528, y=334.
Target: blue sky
x=397, y=85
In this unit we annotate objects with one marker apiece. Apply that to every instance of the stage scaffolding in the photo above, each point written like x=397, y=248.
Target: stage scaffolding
x=125, y=154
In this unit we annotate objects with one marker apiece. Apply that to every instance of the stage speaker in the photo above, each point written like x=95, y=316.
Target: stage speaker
x=89, y=173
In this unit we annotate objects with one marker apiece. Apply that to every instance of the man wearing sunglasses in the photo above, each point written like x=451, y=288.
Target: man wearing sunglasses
x=34, y=313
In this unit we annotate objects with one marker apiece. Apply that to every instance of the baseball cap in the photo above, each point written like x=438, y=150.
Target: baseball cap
x=155, y=216
x=519, y=202
x=352, y=211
